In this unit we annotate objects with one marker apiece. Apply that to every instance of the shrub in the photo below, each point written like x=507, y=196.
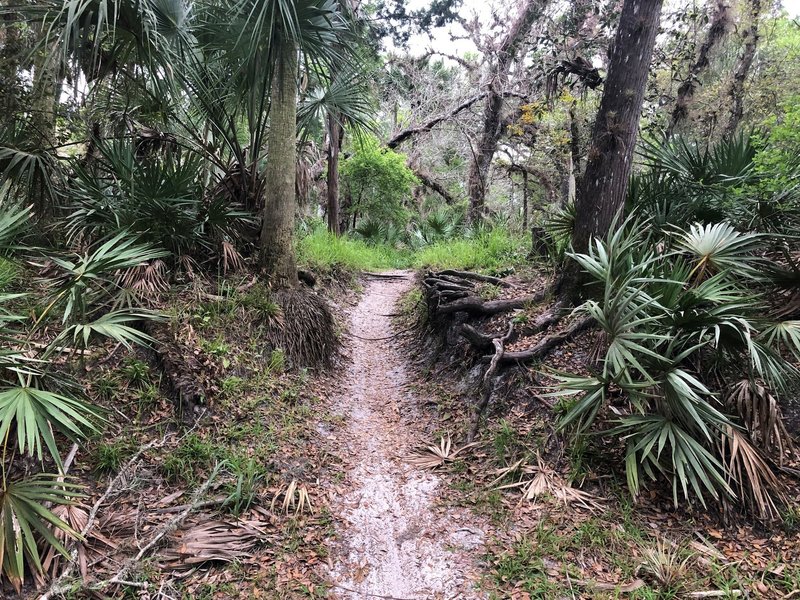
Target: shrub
x=684, y=322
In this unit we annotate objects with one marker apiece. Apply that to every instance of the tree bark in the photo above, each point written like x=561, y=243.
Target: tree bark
x=10, y=54
x=716, y=32
x=276, y=255
x=524, y=201
x=610, y=156
x=335, y=134
x=429, y=182
x=498, y=75
x=736, y=89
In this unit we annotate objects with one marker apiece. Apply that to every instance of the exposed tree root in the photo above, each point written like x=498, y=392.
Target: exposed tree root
x=476, y=277
x=306, y=330
x=483, y=342
x=476, y=306
x=548, y=344
x=488, y=386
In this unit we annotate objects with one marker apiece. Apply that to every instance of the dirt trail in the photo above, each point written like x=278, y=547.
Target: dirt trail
x=394, y=540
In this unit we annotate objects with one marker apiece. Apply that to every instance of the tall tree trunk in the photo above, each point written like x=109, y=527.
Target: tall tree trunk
x=720, y=21
x=610, y=157
x=575, y=154
x=736, y=89
x=524, y=201
x=493, y=106
x=335, y=133
x=276, y=256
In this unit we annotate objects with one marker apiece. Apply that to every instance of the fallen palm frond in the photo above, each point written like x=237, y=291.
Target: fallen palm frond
x=433, y=456
x=296, y=499
x=221, y=541
x=545, y=481
x=76, y=516
x=749, y=473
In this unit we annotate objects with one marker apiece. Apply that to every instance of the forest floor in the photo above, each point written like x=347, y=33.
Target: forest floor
x=290, y=483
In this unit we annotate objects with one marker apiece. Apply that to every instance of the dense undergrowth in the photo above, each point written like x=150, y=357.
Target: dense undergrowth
x=494, y=250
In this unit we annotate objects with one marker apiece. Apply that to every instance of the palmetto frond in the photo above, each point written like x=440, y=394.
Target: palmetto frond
x=347, y=96
x=14, y=220
x=717, y=247
x=26, y=516
x=35, y=414
x=115, y=325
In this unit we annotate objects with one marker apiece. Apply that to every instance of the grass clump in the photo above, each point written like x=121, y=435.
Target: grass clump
x=321, y=250
x=493, y=251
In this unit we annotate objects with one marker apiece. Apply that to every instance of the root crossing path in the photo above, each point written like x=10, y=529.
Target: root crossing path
x=395, y=538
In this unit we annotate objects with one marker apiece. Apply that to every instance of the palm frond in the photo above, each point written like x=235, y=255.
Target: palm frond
x=25, y=517
x=35, y=414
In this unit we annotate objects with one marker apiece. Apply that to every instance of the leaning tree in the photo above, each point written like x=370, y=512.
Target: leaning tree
x=610, y=156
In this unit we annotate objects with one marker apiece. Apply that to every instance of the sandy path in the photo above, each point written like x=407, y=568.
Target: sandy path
x=393, y=538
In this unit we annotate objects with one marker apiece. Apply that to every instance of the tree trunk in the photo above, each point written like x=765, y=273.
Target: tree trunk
x=277, y=231
x=10, y=54
x=335, y=132
x=575, y=153
x=524, y=201
x=736, y=89
x=609, y=161
x=497, y=76
x=716, y=32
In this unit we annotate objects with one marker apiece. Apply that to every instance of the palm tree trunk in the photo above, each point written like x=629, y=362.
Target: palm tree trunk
x=334, y=146
x=610, y=157
x=10, y=54
x=277, y=256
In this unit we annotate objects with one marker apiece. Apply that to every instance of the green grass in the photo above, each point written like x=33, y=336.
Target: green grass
x=493, y=251
x=8, y=272
x=320, y=250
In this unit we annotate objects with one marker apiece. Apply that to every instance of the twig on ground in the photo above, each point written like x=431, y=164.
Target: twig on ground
x=169, y=527
x=57, y=587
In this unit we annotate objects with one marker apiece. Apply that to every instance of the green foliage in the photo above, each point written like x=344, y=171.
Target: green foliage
x=24, y=517
x=34, y=414
x=493, y=251
x=108, y=457
x=158, y=197
x=378, y=181
x=323, y=251
x=681, y=324
x=778, y=155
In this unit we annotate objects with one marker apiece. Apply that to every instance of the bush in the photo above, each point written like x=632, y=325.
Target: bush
x=688, y=343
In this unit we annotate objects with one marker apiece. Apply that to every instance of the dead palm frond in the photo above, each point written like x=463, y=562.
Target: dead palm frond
x=545, y=481
x=761, y=415
x=433, y=456
x=231, y=258
x=146, y=280
x=219, y=541
x=76, y=516
x=750, y=474
x=296, y=499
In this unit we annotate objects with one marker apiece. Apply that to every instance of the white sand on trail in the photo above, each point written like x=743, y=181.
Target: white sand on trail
x=394, y=539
